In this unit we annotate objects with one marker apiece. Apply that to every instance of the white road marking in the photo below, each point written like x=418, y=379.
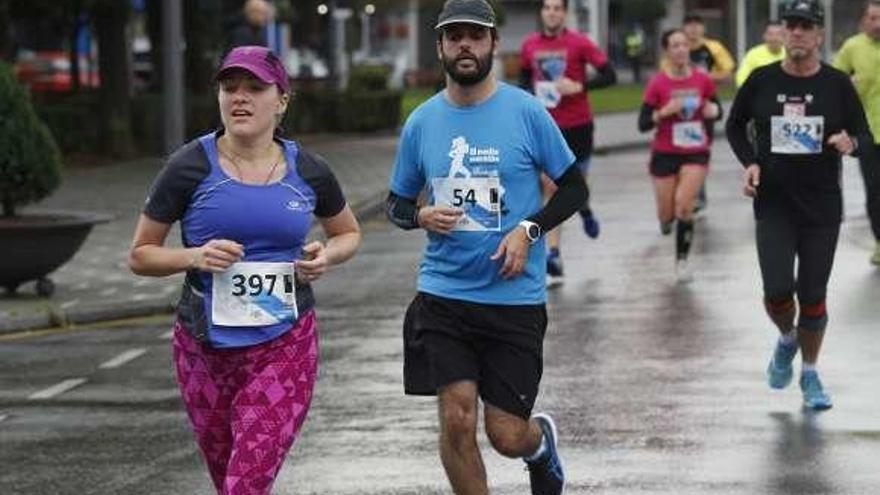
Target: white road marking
x=109, y=292
x=57, y=389
x=69, y=304
x=167, y=335
x=123, y=358
x=3, y=417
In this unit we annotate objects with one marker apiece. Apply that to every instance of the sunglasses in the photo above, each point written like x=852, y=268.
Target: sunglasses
x=804, y=24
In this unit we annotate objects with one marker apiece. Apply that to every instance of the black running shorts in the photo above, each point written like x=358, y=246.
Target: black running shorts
x=498, y=347
x=668, y=164
x=580, y=140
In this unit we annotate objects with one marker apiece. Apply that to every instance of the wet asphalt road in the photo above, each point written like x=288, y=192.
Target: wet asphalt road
x=657, y=388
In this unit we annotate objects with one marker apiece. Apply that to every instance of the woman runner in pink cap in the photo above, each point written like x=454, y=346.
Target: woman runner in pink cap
x=245, y=339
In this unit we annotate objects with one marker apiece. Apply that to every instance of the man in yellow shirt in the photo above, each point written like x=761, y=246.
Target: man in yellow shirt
x=860, y=57
x=706, y=53
x=764, y=54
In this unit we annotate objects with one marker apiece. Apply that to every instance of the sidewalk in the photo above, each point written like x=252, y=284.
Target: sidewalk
x=96, y=284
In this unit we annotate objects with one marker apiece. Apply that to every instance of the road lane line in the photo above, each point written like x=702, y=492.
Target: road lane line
x=167, y=335
x=124, y=358
x=3, y=417
x=69, y=304
x=57, y=389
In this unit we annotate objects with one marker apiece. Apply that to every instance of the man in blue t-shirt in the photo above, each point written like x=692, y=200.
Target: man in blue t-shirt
x=477, y=150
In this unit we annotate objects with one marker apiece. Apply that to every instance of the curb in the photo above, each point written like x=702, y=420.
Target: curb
x=54, y=317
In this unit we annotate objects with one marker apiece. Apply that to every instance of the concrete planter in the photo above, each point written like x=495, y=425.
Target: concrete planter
x=35, y=245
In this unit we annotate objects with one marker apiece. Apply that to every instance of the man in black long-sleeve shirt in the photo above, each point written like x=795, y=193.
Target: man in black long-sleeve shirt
x=806, y=115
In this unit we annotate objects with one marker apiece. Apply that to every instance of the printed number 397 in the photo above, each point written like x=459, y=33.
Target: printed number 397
x=258, y=284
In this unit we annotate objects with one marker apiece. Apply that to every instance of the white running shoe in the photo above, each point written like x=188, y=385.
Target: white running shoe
x=683, y=273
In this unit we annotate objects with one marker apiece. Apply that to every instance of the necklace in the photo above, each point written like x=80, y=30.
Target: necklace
x=234, y=162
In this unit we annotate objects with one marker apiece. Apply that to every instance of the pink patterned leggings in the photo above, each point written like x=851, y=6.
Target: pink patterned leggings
x=247, y=405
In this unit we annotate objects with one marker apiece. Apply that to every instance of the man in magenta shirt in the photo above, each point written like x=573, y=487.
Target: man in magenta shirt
x=554, y=67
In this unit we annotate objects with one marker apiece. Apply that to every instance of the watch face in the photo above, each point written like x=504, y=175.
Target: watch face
x=534, y=232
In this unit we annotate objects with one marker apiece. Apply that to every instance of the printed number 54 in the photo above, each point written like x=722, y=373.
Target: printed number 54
x=462, y=196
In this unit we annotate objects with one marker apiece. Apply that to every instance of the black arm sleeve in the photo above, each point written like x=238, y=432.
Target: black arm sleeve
x=857, y=124
x=737, y=121
x=525, y=79
x=646, y=120
x=716, y=101
x=605, y=76
x=402, y=212
x=569, y=198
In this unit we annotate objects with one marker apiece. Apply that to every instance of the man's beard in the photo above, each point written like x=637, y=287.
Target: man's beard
x=798, y=54
x=484, y=66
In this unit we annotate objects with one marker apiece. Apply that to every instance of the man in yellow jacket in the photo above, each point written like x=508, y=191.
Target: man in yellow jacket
x=707, y=53
x=771, y=50
x=860, y=57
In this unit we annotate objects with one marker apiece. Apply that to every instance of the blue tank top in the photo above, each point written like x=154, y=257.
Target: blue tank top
x=271, y=221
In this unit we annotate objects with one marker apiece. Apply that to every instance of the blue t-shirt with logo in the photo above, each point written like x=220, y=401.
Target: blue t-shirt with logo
x=487, y=159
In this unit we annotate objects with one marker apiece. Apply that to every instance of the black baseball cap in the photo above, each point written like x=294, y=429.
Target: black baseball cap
x=477, y=12
x=808, y=10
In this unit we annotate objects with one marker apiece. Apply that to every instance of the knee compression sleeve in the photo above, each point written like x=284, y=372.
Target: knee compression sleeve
x=813, y=317
x=781, y=312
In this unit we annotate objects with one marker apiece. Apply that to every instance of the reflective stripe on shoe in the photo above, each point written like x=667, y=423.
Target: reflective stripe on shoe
x=546, y=474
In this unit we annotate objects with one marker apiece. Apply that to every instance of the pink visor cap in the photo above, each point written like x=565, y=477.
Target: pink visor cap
x=259, y=61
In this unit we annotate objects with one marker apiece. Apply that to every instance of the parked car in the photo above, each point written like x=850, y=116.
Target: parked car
x=49, y=71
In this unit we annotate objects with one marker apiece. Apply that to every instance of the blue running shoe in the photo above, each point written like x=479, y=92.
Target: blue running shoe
x=815, y=398
x=554, y=269
x=545, y=474
x=779, y=370
x=591, y=225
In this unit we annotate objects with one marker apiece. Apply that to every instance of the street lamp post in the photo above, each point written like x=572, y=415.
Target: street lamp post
x=340, y=14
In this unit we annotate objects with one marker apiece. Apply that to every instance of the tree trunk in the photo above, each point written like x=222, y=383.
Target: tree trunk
x=8, y=208
x=73, y=56
x=5, y=42
x=73, y=22
x=154, y=31
x=111, y=22
x=204, y=44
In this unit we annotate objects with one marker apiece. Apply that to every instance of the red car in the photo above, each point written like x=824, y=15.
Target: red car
x=50, y=71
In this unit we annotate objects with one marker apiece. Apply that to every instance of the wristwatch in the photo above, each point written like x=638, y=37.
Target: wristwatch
x=533, y=230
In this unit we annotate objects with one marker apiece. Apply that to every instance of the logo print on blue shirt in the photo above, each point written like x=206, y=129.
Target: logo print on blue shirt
x=484, y=161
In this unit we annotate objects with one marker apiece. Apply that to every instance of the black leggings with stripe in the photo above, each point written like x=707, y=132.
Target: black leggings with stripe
x=782, y=239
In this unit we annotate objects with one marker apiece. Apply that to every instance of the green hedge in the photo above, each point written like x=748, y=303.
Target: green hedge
x=74, y=119
x=353, y=111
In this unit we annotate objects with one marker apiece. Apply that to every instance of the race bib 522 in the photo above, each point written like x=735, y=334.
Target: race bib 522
x=796, y=135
